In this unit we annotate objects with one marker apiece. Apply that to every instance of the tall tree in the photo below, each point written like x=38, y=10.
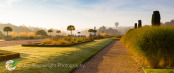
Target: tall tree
x=156, y=18
x=7, y=29
x=94, y=31
x=71, y=28
x=135, y=25
x=90, y=31
x=50, y=31
x=58, y=31
x=139, y=23
x=101, y=29
x=79, y=33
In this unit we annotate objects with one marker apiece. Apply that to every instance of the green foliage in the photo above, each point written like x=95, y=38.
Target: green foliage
x=79, y=32
x=7, y=29
x=71, y=28
x=42, y=33
x=90, y=30
x=97, y=37
x=64, y=41
x=156, y=18
x=8, y=56
x=58, y=31
x=79, y=40
x=50, y=31
x=159, y=71
x=154, y=44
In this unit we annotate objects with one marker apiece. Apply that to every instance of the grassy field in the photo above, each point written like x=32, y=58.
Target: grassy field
x=159, y=71
x=52, y=60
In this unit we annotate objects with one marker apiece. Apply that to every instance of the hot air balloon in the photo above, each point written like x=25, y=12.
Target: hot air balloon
x=116, y=24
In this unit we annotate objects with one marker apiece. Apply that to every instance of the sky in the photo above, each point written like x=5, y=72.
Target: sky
x=83, y=14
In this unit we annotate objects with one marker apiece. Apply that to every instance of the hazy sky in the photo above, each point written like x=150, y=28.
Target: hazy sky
x=82, y=13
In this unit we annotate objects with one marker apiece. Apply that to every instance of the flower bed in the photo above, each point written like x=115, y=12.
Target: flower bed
x=7, y=56
x=52, y=45
x=60, y=42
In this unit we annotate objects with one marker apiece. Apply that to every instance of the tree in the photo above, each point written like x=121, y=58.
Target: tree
x=111, y=31
x=94, y=31
x=71, y=28
x=90, y=30
x=135, y=25
x=101, y=29
x=50, y=31
x=42, y=33
x=156, y=18
x=78, y=32
x=58, y=31
x=139, y=23
x=7, y=29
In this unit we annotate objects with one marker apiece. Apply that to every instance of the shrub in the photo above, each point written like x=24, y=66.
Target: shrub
x=79, y=40
x=63, y=42
x=55, y=42
x=97, y=37
x=23, y=34
x=31, y=35
x=60, y=42
x=46, y=42
x=42, y=33
x=7, y=56
x=87, y=39
x=154, y=44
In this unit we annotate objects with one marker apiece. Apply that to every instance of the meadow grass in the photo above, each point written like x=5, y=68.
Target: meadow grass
x=153, y=45
x=63, y=59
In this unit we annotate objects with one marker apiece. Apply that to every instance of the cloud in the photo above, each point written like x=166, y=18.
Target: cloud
x=85, y=12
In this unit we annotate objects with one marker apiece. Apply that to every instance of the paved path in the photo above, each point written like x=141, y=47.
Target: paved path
x=19, y=42
x=114, y=58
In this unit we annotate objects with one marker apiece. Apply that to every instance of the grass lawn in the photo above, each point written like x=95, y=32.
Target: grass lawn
x=159, y=70
x=52, y=59
x=115, y=38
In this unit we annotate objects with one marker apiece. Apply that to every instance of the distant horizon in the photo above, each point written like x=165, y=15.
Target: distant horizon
x=83, y=14
x=113, y=27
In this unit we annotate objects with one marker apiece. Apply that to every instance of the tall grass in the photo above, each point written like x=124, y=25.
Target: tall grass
x=154, y=44
x=65, y=40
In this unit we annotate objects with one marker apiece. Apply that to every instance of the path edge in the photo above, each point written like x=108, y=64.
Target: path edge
x=93, y=55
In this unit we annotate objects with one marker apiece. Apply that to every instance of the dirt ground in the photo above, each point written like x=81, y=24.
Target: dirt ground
x=114, y=58
x=18, y=42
